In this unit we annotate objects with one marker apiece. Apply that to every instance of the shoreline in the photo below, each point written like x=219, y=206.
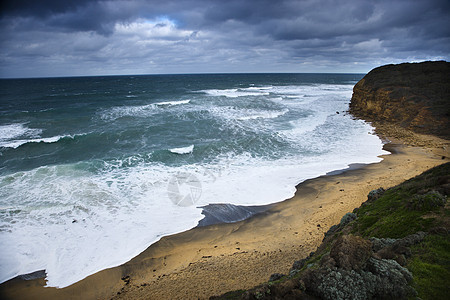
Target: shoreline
x=245, y=253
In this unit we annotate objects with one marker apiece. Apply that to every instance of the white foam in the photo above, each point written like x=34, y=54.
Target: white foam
x=16, y=130
x=138, y=110
x=259, y=88
x=17, y=143
x=235, y=93
x=124, y=111
x=259, y=181
x=73, y=222
x=183, y=150
x=264, y=115
x=173, y=102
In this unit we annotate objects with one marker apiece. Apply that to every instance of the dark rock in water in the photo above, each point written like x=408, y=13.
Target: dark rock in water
x=276, y=276
x=351, y=252
x=228, y=213
x=411, y=95
x=33, y=275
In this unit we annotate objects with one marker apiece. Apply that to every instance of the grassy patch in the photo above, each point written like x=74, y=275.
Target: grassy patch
x=400, y=210
x=416, y=205
x=430, y=266
x=389, y=217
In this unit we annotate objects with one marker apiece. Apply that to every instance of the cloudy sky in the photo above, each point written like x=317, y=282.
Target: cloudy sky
x=84, y=37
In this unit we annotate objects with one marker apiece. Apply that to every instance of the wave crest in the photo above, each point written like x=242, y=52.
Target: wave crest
x=137, y=111
x=183, y=150
x=17, y=143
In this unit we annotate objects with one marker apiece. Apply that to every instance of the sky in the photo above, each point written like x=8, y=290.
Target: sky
x=50, y=38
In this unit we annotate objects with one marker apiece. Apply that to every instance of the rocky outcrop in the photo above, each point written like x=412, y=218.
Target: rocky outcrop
x=357, y=268
x=380, y=279
x=351, y=252
x=415, y=96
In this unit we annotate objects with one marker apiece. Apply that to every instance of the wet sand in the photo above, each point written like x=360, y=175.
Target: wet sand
x=214, y=259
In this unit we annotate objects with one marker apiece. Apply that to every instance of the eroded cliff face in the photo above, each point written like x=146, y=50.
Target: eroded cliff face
x=415, y=96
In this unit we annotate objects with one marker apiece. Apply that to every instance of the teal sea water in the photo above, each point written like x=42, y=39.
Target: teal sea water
x=93, y=170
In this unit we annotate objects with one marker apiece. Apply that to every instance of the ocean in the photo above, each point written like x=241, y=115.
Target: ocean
x=93, y=170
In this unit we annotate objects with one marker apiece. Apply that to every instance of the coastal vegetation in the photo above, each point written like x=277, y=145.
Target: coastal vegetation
x=396, y=245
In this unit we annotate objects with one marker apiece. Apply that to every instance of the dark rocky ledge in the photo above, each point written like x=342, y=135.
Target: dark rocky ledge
x=229, y=213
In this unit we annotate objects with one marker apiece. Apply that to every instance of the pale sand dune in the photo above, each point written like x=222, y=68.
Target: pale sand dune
x=215, y=259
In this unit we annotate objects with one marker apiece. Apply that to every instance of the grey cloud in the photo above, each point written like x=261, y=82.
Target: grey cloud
x=42, y=8
x=217, y=35
x=71, y=15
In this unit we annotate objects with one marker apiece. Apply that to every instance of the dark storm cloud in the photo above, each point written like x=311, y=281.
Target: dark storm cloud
x=40, y=8
x=68, y=15
x=212, y=35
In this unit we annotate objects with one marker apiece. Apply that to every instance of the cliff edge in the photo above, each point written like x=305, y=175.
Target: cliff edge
x=415, y=96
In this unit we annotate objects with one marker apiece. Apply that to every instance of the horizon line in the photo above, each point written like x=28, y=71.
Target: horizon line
x=176, y=74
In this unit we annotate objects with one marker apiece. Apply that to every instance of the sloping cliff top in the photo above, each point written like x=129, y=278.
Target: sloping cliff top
x=415, y=96
x=395, y=246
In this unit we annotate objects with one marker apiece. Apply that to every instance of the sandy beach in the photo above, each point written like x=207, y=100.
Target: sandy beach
x=211, y=260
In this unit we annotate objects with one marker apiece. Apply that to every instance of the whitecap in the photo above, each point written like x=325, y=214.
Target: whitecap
x=264, y=115
x=12, y=131
x=137, y=111
x=235, y=93
x=259, y=88
x=125, y=111
x=173, y=102
x=17, y=143
x=183, y=150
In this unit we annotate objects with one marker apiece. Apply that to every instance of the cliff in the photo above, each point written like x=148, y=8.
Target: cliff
x=415, y=96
